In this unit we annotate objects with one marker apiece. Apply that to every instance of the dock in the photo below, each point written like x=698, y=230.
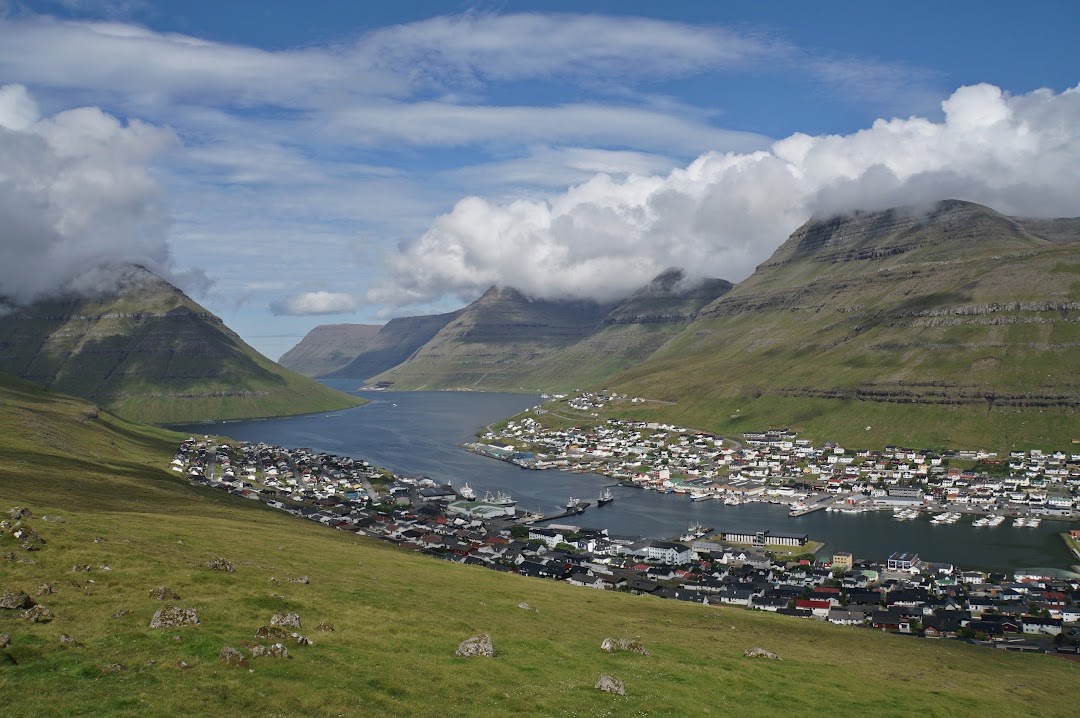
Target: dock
x=576, y=512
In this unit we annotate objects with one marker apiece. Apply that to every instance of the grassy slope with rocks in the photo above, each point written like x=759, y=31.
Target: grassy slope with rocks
x=329, y=347
x=954, y=328
x=149, y=353
x=398, y=617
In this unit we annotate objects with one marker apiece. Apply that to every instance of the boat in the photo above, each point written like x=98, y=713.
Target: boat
x=606, y=497
x=1033, y=522
x=702, y=496
x=573, y=506
x=467, y=493
x=1019, y=522
x=981, y=521
x=499, y=499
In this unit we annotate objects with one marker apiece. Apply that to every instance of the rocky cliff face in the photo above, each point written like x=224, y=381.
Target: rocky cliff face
x=147, y=352
x=329, y=347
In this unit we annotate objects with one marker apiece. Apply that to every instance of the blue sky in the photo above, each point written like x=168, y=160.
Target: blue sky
x=347, y=162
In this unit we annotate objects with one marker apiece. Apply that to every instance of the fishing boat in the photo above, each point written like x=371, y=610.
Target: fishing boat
x=702, y=496
x=574, y=506
x=467, y=493
x=606, y=497
x=499, y=499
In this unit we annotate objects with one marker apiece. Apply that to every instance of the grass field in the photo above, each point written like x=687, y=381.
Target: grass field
x=398, y=616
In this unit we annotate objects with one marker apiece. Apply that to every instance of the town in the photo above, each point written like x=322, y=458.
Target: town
x=1036, y=610
x=776, y=466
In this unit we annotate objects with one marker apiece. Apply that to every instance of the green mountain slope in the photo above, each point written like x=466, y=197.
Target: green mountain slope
x=329, y=347
x=505, y=340
x=395, y=342
x=398, y=617
x=147, y=352
x=951, y=326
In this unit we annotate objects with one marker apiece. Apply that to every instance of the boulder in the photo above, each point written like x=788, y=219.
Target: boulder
x=5, y=640
x=623, y=644
x=54, y=519
x=120, y=613
x=27, y=535
x=164, y=593
x=44, y=590
x=173, y=616
x=18, y=513
x=610, y=684
x=302, y=640
x=761, y=653
x=38, y=614
x=325, y=627
x=300, y=579
x=527, y=607
x=289, y=620
x=68, y=640
x=15, y=600
x=232, y=657
x=275, y=651
x=476, y=646
x=272, y=632
x=80, y=568
x=183, y=665
x=114, y=668
x=5, y=525
x=219, y=564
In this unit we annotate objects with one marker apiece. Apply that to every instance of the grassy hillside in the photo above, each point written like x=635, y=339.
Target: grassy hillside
x=329, y=347
x=398, y=617
x=149, y=353
x=957, y=328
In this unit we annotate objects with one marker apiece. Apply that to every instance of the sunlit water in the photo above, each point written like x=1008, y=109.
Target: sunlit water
x=421, y=432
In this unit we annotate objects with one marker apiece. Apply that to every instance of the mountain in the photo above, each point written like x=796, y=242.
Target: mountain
x=395, y=342
x=506, y=340
x=329, y=347
x=115, y=509
x=950, y=324
x=147, y=352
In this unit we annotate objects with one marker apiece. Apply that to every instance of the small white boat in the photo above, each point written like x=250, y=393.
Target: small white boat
x=467, y=493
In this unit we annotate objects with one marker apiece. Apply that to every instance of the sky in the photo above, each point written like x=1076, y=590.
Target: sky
x=294, y=164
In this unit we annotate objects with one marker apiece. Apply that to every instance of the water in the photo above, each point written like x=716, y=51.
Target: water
x=420, y=433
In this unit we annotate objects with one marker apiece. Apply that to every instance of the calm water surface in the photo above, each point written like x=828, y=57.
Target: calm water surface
x=420, y=433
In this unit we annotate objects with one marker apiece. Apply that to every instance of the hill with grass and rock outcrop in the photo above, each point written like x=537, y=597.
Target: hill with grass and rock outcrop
x=946, y=325
x=135, y=613
x=146, y=351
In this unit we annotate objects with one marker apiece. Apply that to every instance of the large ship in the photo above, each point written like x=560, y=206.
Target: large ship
x=467, y=493
x=499, y=499
x=606, y=497
x=574, y=506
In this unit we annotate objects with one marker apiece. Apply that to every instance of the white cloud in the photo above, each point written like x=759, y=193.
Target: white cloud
x=76, y=192
x=314, y=303
x=726, y=212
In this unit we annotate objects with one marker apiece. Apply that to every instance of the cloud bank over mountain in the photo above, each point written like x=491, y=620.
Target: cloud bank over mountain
x=726, y=212
x=76, y=192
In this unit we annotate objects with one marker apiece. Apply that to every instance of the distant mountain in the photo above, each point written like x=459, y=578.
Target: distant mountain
x=951, y=325
x=395, y=342
x=147, y=352
x=329, y=347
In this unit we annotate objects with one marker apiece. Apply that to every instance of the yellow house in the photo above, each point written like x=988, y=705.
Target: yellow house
x=842, y=561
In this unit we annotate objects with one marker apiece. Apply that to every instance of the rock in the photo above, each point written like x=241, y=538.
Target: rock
x=623, y=644
x=38, y=614
x=54, y=519
x=610, y=684
x=5, y=640
x=476, y=646
x=80, y=568
x=105, y=567
x=98, y=539
x=219, y=564
x=275, y=651
x=527, y=607
x=183, y=665
x=177, y=639
x=301, y=579
x=302, y=640
x=173, y=616
x=163, y=593
x=120, y=613
x=44, y=590
x=325, y=627
x=761, y=653
x=289, y=620
x=14, y=600
x=232, y=657
x=18, y=513
x=30, y=546
x=27, y=535
x=114, y=668
x=68, y=640
x=272, y=632
x=5, y=525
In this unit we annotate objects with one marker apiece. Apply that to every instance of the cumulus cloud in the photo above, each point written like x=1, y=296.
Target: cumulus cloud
x=315, y=303
x=76, y=192
x=726, y=212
